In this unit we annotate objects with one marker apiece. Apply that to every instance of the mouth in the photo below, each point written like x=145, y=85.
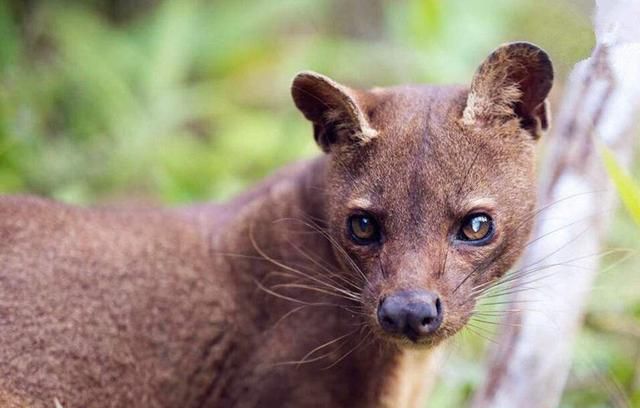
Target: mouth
x=409, y=340
x=413, y=336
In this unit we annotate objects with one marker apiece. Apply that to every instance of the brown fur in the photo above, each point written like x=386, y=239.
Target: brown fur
x=218, y=305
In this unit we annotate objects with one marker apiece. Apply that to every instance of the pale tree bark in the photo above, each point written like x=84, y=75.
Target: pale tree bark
x=529, y=365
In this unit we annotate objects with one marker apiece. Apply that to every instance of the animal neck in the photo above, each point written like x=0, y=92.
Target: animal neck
x=298, y=317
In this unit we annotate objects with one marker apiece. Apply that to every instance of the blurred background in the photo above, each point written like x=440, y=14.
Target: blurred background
x=179, y=101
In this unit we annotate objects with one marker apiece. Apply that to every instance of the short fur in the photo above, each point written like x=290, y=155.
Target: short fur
x=264, y=301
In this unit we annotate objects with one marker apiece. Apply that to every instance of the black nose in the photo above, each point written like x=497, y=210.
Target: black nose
x=413, y=313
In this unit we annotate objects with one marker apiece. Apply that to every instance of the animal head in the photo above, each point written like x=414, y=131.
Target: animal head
x=431, y=189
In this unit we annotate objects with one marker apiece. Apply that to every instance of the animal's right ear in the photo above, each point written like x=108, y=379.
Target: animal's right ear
x=334, y=109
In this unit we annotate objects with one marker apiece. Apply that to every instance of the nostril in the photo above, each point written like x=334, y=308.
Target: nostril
x=389, y=315
x=427, y=316
x=388, y=321
x=438, y=307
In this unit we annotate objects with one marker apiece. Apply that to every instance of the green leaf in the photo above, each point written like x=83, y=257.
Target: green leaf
x=628, y=190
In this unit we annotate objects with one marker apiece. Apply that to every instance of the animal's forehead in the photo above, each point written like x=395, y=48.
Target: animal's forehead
x=401, y=110
x=419, y=130
x=422, y=150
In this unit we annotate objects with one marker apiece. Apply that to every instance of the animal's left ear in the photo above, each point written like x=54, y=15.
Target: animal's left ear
x=513, y=82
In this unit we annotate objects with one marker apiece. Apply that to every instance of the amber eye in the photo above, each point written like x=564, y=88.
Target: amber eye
x=476, y=228
x=363, y=229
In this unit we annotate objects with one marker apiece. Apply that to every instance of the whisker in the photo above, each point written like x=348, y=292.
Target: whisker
x=339, y=247
x=476, y=330
x=294, y=300
x=497, y=312
x=330, y=289
x=495, y=323
x=573, y=239
x=360, y=343
x=287, y=267
x=289, y=313
x=506, y=302
x=316, y=289
x=519, y=278
x=518, y=226
x=542, y=236
x=509, y=292
x=325, y=267
x=309, y=354
x=521, y=274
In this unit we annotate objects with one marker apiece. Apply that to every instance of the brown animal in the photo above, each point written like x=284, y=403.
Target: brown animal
x=327, y=285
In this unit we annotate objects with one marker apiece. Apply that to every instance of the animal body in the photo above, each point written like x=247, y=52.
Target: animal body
x=328, y=284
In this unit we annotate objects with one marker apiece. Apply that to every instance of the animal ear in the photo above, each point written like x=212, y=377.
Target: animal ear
x=513, y=82
x=334, y=109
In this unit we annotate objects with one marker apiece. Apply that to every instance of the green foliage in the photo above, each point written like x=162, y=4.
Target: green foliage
x=628, y=190
x=158, y=107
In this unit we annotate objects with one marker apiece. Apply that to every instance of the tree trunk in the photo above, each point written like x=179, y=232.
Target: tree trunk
x=530, y=363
